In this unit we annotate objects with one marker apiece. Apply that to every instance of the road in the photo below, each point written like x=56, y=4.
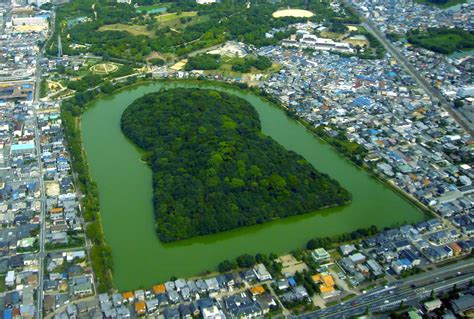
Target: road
x=204, y=50
x=433, y=93
x=41, y=254
x=410, y=290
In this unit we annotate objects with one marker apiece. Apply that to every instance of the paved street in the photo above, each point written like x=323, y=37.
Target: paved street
x=434, y=94
x=410, y=290
x=42, y=254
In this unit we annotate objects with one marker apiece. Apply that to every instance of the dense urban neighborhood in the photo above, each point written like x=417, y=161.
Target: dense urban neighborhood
x=388, y=84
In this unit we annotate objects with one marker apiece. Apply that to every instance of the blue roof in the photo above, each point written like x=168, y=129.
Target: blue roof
x=373, y=131
x=392, y=74
x=408, y=255
x=8, y=314
x=15, y=296
x=366, y=78
x=395, y=156
x=31, y=185
x=292, y=281
x=22, y=147
x=362, y=101
x=342, y=91
x=405, y=262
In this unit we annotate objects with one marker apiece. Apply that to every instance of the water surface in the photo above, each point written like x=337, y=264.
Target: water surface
x=125, y=189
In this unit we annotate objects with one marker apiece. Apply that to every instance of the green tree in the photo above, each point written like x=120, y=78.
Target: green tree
x=246, y=261
x=226, y=266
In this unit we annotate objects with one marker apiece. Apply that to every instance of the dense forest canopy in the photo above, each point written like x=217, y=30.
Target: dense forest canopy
x=260, y=63
x=442, y=40
x=213, y=62
x=214, y=24
x=214, y=170
x=441, y=3
x=203, y=62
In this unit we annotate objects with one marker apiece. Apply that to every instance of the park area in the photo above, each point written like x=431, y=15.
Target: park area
x=443, y=40
x=104, y=68
x=130, y=28
x=176, y=19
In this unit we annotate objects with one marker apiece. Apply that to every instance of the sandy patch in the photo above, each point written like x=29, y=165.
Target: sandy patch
x=291, y=265
x=295, y=13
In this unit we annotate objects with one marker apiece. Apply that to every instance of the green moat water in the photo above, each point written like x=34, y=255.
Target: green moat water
x=125, y=189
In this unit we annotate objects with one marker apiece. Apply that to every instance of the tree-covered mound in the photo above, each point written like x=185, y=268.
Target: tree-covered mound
x=214, y=170
x=442, y=40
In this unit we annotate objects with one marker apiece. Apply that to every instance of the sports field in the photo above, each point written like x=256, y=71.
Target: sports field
x=294, y=13
x=104, y=68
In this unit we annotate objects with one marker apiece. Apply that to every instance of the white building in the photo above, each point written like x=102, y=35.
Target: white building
x=357, y=258
x=320, y=254
x=261, y=272
x=212, y=313
x=467, y=90
x=205, y=1
x=10, y=278
x=29, y=20
x=313, y=42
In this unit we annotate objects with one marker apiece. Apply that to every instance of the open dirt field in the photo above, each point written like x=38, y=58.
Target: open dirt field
x=295, y=13
x=291, y=265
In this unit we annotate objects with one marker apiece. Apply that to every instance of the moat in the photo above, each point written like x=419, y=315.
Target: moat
x=125, y=189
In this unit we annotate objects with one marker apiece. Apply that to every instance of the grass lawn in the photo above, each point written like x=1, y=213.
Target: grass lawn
x=335, y=255
x=132, y=29
x=445, y=4
x=449, y=41
x=172, y=20
x=332, y=35
x=349, y=296
x=226, y=68
x=2, y=283
x=104, y=68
